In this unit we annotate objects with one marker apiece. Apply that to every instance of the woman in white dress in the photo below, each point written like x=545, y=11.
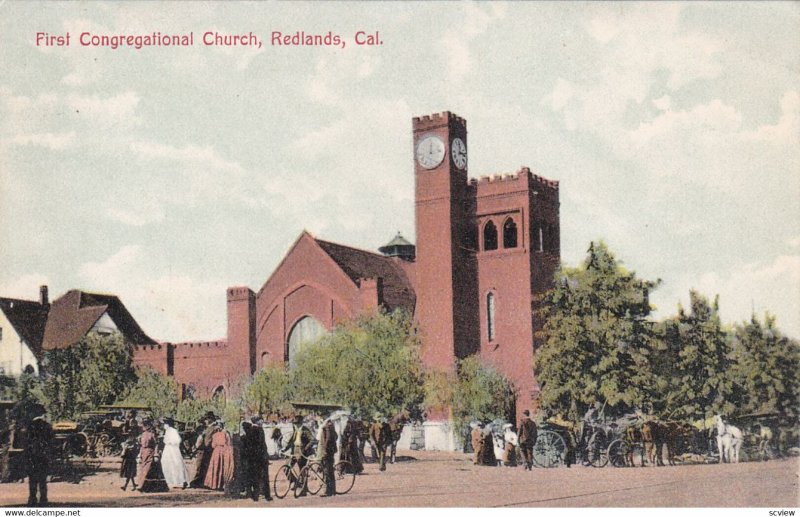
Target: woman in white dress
x=171, y=459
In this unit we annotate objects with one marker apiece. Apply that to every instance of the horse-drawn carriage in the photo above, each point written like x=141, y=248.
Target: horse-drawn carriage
x=97, y=433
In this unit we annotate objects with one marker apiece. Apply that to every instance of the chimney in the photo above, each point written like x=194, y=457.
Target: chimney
x=43, y=298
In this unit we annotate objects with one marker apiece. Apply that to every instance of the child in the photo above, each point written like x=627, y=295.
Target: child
x=130, y=452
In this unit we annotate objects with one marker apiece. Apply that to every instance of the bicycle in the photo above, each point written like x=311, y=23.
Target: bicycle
x=312, y=478
x=288, y=476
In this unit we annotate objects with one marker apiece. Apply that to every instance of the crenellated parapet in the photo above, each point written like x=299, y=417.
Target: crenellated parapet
x=436, y=120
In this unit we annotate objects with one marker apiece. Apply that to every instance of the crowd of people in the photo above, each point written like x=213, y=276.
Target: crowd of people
x=502, y=445
x=236, y=463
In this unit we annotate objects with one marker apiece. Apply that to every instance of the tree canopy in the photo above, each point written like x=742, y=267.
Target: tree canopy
x=370, y=364
x=699, y=354
x=596, y=339
x=766, y=369
x=90, y=373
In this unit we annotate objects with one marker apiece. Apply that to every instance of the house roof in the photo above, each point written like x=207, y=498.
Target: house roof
x=28, y=319
x=75, y=313
x=398, y=290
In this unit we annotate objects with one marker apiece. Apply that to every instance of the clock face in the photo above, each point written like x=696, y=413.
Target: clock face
x=430, y=151
x=459, y=151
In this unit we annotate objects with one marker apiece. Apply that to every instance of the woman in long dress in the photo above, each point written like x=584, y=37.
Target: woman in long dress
x=171, y=459
x=220, y=466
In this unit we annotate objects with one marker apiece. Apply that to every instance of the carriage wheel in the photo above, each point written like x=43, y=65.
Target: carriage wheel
x=284, y=482
x=103, y=445
x=345, y=477
x=597, y=450
x=77, y=445
x=549, y=449
x=618, y=453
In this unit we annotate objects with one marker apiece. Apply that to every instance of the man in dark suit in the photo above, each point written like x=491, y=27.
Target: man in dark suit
x=327, y=447
x=256, y=456
x=38, y=448
x=527, y=438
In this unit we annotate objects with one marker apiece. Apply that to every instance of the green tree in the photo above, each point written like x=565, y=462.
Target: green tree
x=370, y=364
x=480, y=392
x=269, y=391
x=154, y=390
x=701, y=381
x=766, y=369
x=596, y=339
x=92, y=372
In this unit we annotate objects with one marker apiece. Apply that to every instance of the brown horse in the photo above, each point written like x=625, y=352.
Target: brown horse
x=396, y=424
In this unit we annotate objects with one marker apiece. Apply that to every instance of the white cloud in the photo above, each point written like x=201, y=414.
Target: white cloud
x=168, y=307
x=764, y=286
x=53, y=141
x=787, y=129
x=455, y=44
x=25, y=287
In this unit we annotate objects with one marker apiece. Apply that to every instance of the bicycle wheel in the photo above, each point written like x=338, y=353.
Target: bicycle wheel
x=618, y=453
x=549, y=449
x=345, y=475
x=597, y=449
x=284, y=482
x=314, y=478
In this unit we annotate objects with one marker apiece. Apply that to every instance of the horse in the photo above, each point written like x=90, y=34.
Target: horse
x=729, y=441
x=396, y=424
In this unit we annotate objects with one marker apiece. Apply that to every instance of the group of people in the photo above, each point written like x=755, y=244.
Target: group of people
x=152, y=460
x=493, y=448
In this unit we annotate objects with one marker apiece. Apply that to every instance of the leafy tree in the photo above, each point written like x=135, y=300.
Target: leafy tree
x=92, y=372
x=370, y=364
x=480, y=392
x=596, y=339
x=701, y=382
x=154, y=390
x=269, y=391
x=766, y=369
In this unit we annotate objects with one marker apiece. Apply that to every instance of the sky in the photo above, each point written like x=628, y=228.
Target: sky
x=165, y=175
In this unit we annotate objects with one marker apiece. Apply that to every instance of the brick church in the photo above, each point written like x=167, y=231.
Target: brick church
x=485, y=249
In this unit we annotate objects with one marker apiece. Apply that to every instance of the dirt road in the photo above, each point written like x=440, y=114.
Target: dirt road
x=451, y=480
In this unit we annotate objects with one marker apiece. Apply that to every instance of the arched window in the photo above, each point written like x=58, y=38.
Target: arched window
x=490, y=316
x=489, y=237
x=219, y=393
x=306, y=330
x=509, y=234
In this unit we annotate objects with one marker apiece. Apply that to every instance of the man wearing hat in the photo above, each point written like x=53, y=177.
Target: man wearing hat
x=527, y=438
x=256, y=460
x=301, y=444
x=37, y=455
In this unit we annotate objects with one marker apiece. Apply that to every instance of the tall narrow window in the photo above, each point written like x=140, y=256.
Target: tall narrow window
x=541, y=239
x=489, y=237
x=509, y=234
x=490, y=316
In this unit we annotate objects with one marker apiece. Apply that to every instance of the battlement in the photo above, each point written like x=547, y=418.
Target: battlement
x=201, y=345
x=498, y=181
x=144, y=349
x=436, y=120
x=239, y=293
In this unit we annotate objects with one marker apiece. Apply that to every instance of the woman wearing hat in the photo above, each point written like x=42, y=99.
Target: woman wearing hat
x=220, y=466
x=171, y=458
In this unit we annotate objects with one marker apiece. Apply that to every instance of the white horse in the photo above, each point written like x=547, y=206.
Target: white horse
x=729, y=441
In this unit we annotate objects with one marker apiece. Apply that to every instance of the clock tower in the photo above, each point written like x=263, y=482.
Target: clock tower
x=446, y=307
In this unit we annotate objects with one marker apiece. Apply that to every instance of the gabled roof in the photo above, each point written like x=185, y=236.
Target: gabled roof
x=357, y=264
x=75, y=313
x=28, y=319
